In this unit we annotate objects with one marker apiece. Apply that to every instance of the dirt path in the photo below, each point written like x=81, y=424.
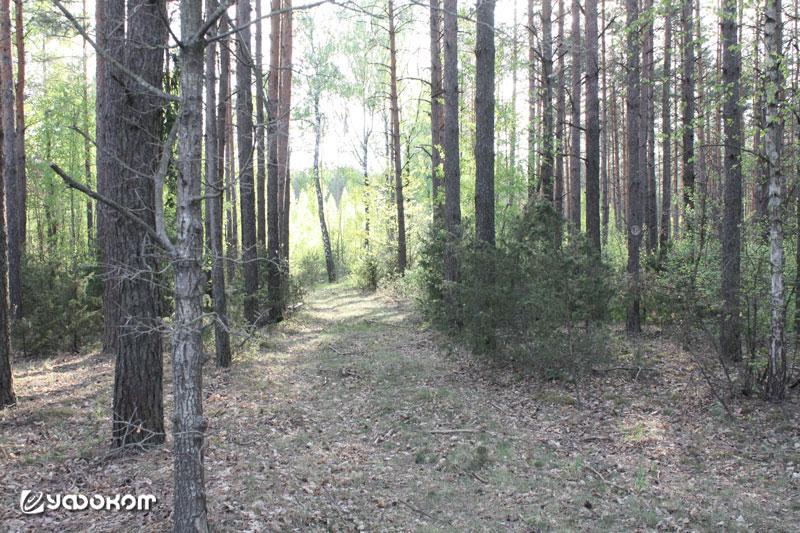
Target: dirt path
x=353, y=415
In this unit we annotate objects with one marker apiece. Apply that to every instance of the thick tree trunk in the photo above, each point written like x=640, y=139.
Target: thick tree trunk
x=452, y=167
x=87, y=146
x=273, y=198
x=687, y=97
x=214, y=191
x=398, y=165
x=137, y=406
x=484, y=124
x=223, y=125
x=532, y=99
x=437, y=111
x=730, y=341
x=548, y=137
x=592, y=128
x=575, y=127
x=666, y=131
x=632, y=321
x=775, y=387
x=189, y=424
x=244, y=129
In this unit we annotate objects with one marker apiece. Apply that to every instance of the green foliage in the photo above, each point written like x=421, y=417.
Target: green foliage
x=61, y=310
x=534, y=299
x=367, y=272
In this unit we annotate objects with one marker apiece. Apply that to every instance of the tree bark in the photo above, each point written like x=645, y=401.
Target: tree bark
x=452, y=167
x=666, y=131
x=548, y=137
x=326, y=240
x=437, y=110
x=19, y=213
x=7, y=395
x=484, y=124
x=575, y=127
x=273, y=199
x=560, y=115
x=138, y=405
x=244, y=128
x=398, y=165
x=632, y=320
x=648, y=127
x=214, y=192
x=730, y=341
x=775, y=387
x=687, y=96
x=261, y=212
x=284, y=113
x=604, y=152
x=10, y=168
x=189, y=424
x=592, y=128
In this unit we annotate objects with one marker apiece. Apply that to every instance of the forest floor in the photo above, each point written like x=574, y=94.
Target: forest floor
x=354, y=415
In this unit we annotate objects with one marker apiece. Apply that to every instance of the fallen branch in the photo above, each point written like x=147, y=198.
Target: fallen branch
x=423, y=513
x=604, y=480
x=446, y=431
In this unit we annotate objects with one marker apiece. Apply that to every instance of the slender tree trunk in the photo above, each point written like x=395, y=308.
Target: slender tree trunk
x=632, y=321
x=261, y=212
x=214, y=192
x=284, y=167
x=244, y=128
x=10, y=169
x=21, y=213
x=604, y=152
x=648, y=126
x=273, y=180
x=437, y=111
x=189, y=424
x=7, y=395
x=398, y=166
x=223, y=125
x=548, y=137
x=575, y=128
x=687, y=89
x=666, y=131
x=452, y=168
x=560, y=114
x=532, y=98
x=592, y=128
x=775, y=387
x=87, y=147
x=326, y=240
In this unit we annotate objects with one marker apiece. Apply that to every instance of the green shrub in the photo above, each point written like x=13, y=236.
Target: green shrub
x=536, y=298
x=367, y=272
x=60, y=309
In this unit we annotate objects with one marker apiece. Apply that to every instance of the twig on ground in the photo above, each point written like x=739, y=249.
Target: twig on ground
x=445, y=431
x=423, y=513
x=604, y=480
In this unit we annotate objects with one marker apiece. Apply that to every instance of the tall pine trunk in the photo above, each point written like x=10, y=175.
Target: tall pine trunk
x=632, y=321
x=452, y=167
x=575, y=127
x=688, y=103
x=730, y=341
x=244, y=129
x=548, y=137
x=273, y=198
x=214, y=192
x=592, y=128
x=666, y=131
x=437, y=111
x=398, y=165
x=484, y=124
